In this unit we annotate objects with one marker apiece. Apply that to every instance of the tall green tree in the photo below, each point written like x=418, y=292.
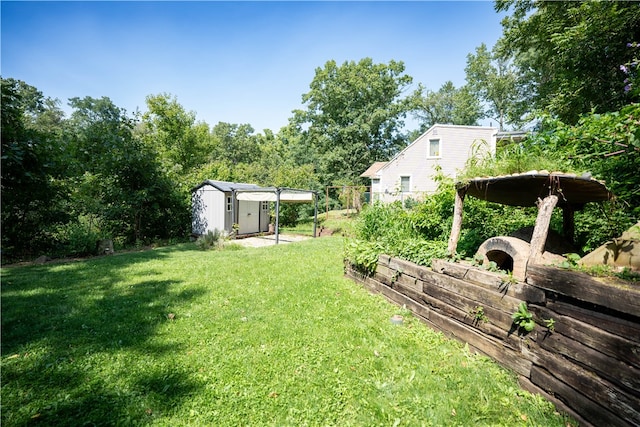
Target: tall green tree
x=32, y=165
x=131, y=198
x=494, y=80
x=181, y=143
x=449, y=105
x=235, y=143
x=354, y=115
x=569, y=53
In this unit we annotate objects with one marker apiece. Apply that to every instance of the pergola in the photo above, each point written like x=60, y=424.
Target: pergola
x=543, y=189
x=277, y=195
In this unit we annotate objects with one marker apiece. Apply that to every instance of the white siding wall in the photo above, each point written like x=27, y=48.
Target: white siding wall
x=212, y=210
x=457, y=144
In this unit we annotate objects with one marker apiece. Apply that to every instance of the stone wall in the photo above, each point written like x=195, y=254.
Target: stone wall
x=588, y=363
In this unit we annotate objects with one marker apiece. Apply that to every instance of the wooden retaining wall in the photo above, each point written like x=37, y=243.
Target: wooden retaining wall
x=589, y=365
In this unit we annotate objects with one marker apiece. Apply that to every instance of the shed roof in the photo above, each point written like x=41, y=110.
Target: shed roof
x=227, y=186
x=524, y=189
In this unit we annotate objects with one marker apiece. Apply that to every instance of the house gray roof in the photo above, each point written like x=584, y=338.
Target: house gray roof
x=373, y=170
x=226, y=186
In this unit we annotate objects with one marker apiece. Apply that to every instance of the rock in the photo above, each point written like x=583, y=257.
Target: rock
x=42, y=259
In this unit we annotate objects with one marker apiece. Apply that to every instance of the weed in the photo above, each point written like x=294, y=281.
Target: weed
x=479, y=315
x=550, y=324
x=523, y=318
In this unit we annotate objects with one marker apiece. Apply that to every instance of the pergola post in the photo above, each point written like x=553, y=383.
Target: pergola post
x=541, y=229
x=315, y=214
x=277, y=216
x=457, y=220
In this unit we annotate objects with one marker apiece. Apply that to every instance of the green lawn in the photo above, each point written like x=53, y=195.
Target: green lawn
x=267, y=336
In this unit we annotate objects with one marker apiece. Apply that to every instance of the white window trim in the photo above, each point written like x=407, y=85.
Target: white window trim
x=439, y=156
x=405, y=176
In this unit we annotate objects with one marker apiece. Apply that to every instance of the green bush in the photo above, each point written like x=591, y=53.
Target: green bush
x=77, y=238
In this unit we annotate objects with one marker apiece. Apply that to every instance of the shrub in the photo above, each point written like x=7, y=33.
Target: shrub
x=212, y=240
x=77, y=238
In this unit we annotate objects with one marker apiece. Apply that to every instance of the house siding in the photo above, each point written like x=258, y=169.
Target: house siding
x=457, y=144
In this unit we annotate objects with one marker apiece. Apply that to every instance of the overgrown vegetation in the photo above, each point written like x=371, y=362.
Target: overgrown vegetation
x=604, y=146
x=269, y=336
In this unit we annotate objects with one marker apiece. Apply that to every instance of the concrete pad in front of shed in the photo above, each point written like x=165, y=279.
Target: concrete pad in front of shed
x=260, y=241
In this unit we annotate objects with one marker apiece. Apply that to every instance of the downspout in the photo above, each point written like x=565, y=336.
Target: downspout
x=233, y=211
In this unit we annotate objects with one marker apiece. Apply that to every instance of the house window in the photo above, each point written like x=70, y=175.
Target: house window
x=405, y=184
x=229, y=204
x=265, y=206
x=434, y=148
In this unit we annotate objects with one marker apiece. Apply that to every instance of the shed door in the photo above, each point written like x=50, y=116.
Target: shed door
x=248, y=217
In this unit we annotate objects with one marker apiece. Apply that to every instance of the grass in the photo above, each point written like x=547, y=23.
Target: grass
x=270, y=336
x=339, y=221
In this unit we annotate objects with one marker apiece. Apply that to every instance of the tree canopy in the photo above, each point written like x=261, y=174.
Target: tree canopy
x=355, y=115
x=569, y=53
x=449, y=105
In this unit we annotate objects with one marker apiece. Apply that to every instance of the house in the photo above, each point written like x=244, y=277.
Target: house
x=410, y=174
x=239, y=208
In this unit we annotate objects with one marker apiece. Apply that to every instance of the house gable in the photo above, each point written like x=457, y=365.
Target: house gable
x=443, y=147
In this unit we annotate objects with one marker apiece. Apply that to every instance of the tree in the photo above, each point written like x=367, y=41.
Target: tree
x=569, y=53
x=180, y=141
x=494, y=80
x=234, y=143
x=31, y=167
x=448, y=106
x=131, y=198
x=354, y=115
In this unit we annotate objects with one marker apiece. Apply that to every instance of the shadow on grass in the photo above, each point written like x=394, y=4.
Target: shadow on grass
x=60, y=322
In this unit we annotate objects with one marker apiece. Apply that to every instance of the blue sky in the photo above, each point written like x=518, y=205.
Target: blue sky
x=236, y=62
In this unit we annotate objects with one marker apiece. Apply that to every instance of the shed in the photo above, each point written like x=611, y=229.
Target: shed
x=226, y=205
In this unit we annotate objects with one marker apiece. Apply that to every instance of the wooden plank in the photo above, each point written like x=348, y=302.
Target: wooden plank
x=476, y=293
x=607, y=367
x=625, y=299
x=450, y=268
x=383, y=259
x=492, y=348
x=410, y=282
x=400, y=299
x=408, y=267
x=526, y=384
x=443, y=296
x=594, y=337
x=590, y=386
x=462, y=316
x=607, y=322
x=491, y=280
x=517, y=290
x=596, y=415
